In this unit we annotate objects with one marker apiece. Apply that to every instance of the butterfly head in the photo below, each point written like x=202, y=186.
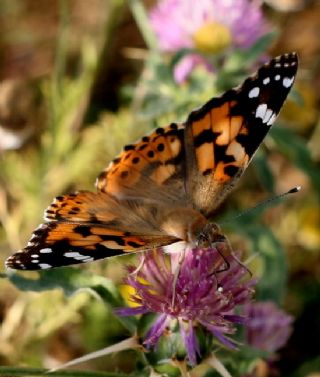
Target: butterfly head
x=207, y=236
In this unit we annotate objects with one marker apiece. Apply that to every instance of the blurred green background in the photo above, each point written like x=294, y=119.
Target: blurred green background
x=78, y=81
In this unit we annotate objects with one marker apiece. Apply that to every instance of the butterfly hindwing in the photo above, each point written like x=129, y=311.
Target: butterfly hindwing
x=84, y=227
x=223, y=135
x=62, y=244
x=156, y=159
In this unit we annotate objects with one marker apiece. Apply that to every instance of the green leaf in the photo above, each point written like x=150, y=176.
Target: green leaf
x=72, y=280
x=263, y=171
x=245, y=58
x=67, y=278
x=236, y=67
x=272, y=285
x=308, y=368
x=296, y=150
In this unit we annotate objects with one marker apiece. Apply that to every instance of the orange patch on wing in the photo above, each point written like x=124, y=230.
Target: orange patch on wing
x=98, y=235
x=162, y=173
x=202, y=124
x=236, y=123
x=219, y=174
x=221, y=123
x=101, y=231
x=205, y=156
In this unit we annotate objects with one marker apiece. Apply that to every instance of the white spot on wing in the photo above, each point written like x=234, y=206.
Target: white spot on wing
x=287, y=82
x=271, y=120
x=34, y=256
x=75, y=255
x=44, y=266
x=267, y=116
x=35, y=261
x=261, y=110
x=45, y=250
x=88, y=260
x=277, y=77
x=266, y=80
x=254, y=92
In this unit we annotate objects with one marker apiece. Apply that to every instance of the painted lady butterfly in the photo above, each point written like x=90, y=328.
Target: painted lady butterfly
x=164, y=188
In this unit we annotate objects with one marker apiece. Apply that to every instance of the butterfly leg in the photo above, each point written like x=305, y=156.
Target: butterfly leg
x=242, y=264
x=229, y=251
x=176, y=275
x=224, y=251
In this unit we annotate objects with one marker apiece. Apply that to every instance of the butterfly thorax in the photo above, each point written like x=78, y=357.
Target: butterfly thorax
x=191, y=226
x=183, y=223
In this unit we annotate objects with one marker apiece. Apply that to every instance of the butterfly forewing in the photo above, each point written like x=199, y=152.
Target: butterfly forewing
x=223, y=135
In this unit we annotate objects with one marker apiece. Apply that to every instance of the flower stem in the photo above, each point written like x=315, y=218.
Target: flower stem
x=215, y=363
x=141, y=18
x=126, y=344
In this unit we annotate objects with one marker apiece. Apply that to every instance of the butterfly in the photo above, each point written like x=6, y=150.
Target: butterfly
x=164, y=188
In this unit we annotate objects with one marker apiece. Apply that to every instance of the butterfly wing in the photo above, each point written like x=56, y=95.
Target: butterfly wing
x=223, y=135
x=87, y=226
x=158, y=160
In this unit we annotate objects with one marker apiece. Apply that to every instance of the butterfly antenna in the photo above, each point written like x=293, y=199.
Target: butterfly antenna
x=265, y=203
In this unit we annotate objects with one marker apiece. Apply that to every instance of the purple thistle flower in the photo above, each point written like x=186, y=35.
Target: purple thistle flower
x=202, y=298
x=205, y=25
x=268, y=327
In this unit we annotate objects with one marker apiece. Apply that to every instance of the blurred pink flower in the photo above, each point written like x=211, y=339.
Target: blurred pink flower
x=206, y=25
x=268, y=327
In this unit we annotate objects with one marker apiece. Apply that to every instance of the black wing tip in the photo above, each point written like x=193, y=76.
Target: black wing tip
x=14, y=263
x=286, y=64
x=22, y=259
x=25, y=260
x=291, y=56
x=286, y=60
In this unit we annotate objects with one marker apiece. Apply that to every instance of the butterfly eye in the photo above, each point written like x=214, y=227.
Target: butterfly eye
x=202, y=240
